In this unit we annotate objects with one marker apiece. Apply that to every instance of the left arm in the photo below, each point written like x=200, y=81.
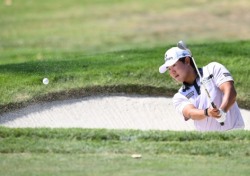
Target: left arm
x=229, y=96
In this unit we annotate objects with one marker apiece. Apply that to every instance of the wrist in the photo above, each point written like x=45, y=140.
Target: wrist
x=222, y=111
x=206, y=112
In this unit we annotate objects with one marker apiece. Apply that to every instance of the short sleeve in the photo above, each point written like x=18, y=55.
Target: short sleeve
x=220, y=73
x=179, y=102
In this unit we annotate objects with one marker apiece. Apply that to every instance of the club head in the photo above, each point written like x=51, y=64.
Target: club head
x=181, y=45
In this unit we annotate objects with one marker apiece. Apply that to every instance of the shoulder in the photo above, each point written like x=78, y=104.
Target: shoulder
x=214, y=65
x=181, y=95
x=219, y=72
x=178, y=95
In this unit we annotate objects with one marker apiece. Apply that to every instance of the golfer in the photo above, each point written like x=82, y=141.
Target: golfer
x=193, y=102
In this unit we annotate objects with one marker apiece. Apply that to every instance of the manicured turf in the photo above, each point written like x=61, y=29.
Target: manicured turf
x=108, y=152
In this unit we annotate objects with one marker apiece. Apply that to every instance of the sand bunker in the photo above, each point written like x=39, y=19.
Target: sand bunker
x=110, y=112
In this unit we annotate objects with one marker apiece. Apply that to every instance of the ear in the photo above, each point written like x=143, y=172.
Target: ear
x=187, y=60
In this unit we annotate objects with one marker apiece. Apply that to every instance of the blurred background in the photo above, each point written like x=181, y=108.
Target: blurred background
x=92, y=26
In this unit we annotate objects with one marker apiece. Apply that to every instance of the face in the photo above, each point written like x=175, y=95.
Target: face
x=179, y=71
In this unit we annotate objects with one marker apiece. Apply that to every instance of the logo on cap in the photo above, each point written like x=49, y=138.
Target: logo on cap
x=168, y=58
x=184, y=53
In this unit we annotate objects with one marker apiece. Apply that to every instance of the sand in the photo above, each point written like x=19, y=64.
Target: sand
x=109, y=112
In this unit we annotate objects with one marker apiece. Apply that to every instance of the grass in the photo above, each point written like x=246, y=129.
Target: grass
x=90, y=26
x=118, y=164
x=121, y=165
x=97, y=47
x=82, y=45
x=22, y=82
x=78, y=151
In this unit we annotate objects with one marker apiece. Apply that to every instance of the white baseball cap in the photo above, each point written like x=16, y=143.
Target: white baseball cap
x=172, y=56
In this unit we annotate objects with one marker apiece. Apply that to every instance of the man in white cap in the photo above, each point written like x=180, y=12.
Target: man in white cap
x=193, y=102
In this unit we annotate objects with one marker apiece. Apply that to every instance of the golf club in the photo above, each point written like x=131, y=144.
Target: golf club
x=183, y=46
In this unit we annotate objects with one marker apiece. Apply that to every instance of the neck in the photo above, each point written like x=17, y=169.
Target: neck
x=192, y=77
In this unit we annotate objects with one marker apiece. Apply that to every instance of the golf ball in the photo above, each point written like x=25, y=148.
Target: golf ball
x=136, y=156
x=45, y=81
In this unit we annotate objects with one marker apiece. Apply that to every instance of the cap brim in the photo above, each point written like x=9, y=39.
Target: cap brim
x=163, y=68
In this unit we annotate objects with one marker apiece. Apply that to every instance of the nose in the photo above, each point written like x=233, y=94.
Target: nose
x=171, y=70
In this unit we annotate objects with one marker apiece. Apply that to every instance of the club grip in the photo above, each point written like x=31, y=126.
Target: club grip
x=213, y=105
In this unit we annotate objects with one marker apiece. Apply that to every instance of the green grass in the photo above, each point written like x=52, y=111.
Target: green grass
x=108, y=152
x=83, y=45
x=93, y=26
x=75, y=72
x=90, y=47
x=121, y=165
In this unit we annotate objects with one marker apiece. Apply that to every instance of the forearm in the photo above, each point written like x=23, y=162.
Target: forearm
x=227, y=102
x=229, y=97
x=190, y=112
x=197, y=114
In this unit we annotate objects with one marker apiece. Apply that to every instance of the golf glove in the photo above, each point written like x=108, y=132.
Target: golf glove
x=222, y=118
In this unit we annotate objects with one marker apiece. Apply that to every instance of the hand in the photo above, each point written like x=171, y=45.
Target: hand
x=214, y=112
x=218, y=114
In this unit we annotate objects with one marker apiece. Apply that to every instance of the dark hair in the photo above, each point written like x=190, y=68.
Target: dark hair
x=191, y=62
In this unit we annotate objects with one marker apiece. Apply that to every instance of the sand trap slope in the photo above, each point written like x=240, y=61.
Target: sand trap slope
x=111, y=112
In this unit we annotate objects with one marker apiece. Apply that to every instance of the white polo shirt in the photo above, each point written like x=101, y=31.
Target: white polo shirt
x=215, y=74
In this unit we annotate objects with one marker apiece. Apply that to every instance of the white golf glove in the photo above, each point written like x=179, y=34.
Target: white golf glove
x=222, y=118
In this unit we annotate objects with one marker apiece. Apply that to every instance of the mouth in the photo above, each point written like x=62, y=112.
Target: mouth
x=178, y=78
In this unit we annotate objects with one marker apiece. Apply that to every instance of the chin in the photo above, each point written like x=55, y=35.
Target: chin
x=177, y=80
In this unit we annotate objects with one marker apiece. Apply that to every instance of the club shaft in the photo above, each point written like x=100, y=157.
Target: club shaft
x=182, y=45
x=212, y=103
x=197, y=70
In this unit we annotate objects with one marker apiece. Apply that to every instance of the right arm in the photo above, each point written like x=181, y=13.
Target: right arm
x=191, y=112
